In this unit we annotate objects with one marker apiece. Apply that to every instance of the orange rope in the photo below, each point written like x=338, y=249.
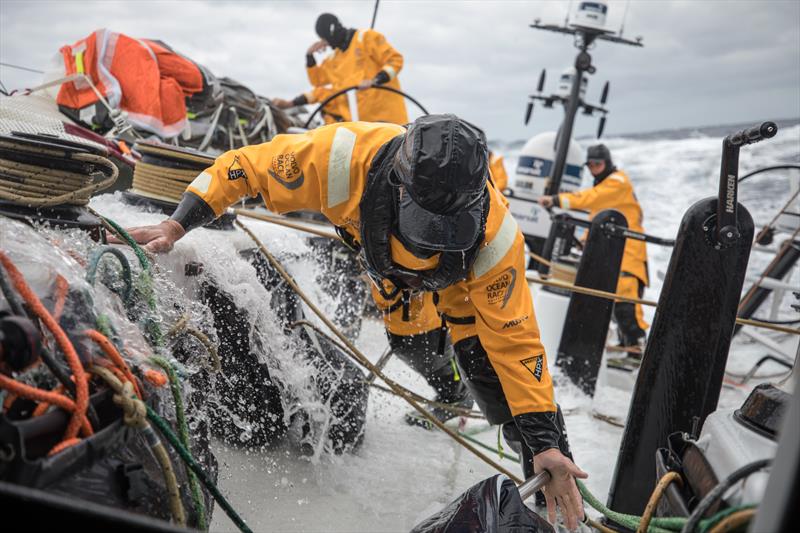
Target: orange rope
x=63, y=445
x=32, y=393
x=155, y=378
x=81, y=386
x=111, y=351
x=62, y=289
x=10, y=399
x=44, y=406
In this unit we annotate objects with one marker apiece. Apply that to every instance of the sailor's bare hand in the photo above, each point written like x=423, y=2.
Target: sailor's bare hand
x=156, y=239
x=561, y=491
x=318, y=46
x=365, y=84
x=545, y=201
x=280, y=103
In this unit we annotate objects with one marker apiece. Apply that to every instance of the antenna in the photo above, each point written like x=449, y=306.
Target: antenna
x=374, y=15
x=566, y=17
x=624, y=17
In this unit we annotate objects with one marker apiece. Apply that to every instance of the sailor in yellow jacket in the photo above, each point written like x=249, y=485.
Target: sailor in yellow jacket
x=614, y=190
x=363, y=58
x=417, y=334
x=420, y=206
x=498, y=170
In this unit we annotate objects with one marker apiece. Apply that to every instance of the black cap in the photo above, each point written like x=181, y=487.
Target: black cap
x=599, y=152
x=442, y=167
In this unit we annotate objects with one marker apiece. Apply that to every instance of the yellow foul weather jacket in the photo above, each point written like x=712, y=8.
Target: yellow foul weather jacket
x=325, y=170
x=367, y=54
x=615, y=192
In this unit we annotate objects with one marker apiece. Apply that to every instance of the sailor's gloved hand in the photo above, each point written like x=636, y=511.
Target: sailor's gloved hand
x=546, y=201
x=318, y=46
x=156, y=239
x=561, y=490
x=365, y=84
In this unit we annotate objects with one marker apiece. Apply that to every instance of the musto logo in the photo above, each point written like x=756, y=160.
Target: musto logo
x=501, y=288
x=286, y=171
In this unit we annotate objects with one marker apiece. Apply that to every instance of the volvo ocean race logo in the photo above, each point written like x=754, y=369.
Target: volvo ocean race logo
x=500, y=289
x=286, y=171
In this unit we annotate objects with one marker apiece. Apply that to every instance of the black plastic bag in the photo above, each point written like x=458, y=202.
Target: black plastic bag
x=491, y=506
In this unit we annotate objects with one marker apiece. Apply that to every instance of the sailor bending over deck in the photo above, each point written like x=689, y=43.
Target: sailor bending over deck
x=419, y=204
x=614, y=190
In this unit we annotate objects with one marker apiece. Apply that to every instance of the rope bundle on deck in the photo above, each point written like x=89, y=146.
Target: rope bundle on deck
x=44, y=171
x=165, y=171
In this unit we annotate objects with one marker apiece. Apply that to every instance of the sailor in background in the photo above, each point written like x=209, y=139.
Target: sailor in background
x=614, y=190
x=419, y=204
x=360, y=57
x=498, y=170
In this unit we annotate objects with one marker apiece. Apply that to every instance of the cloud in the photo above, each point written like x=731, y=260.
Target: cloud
x=703, y=63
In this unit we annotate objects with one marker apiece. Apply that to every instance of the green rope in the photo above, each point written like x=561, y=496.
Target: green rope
x=103, y=325
x=94, y=262
x=709, y=523
x=183, y=433
x=144, y=262
x=164, y=428
x=487, y=447
x=144, y=284
x=657, y=524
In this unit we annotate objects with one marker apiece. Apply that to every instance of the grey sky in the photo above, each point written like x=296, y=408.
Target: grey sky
x=704, y=62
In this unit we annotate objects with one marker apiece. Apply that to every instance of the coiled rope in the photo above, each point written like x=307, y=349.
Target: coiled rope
x=41, y=182
x=165, y=171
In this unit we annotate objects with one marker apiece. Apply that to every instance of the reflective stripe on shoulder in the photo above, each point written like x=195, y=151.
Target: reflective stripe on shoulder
x=202, y=182
x=491, y=254
x=360, y=36
x=617, y=177
x=390, y=71
x=341, y=156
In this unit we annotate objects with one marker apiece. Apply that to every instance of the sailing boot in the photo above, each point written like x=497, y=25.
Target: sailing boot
x=435, y=362
x=632, y=337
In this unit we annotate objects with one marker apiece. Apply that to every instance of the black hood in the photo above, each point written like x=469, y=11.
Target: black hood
x=601, y=151
x=331, y=30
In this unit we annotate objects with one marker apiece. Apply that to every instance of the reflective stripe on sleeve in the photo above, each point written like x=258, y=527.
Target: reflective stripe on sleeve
x=202, y=182
x=341, y=156
x=390, y=71
x=491, y=254
x=563, y=201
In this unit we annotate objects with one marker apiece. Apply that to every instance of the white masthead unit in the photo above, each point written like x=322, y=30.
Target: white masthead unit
x=590, y=15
